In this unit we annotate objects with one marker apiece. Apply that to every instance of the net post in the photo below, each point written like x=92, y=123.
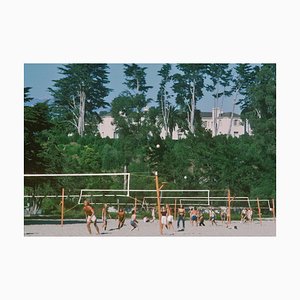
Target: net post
x=158, y=200
x=135, y=204
x=259, y=212
x=62, y=206
x=208, y=199
x=273, y=209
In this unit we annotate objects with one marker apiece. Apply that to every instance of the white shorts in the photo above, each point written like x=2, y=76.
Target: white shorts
x=170, y=219
x=91, y=218
x=164, y=220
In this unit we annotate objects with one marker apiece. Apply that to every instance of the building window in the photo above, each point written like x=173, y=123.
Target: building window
x=116, y=135
x=235, y=122
x=205, y=124
x=180, y=135
x=236, y=134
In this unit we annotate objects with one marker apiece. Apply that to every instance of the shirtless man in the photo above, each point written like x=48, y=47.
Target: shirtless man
x=133, y=220
x=193, y=216
x=121, y=218
x=90, y=216
x=181, y=213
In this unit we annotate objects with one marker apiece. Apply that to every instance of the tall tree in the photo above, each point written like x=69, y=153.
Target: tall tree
x=135, y=78
x=80, y=94
x=259, y=107
x=163, y=97
x=188, y=85
x=220, y=77
x=244, y=76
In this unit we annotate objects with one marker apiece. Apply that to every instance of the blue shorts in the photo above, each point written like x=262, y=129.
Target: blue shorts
x=194, y=218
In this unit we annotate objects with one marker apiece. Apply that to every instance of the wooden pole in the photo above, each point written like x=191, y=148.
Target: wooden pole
x=273, y=209
x=62, y=206
x=158, y=199
x=259, y=211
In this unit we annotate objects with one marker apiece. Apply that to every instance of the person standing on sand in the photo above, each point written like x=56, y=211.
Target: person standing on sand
x=181, y=214
x=90, y=216
x=212, y=217
x=163, y=220
x=133, y=220
x=121, y=218
x=193, y=216
x=201, y=219
x=170, y=217
x=104, y=216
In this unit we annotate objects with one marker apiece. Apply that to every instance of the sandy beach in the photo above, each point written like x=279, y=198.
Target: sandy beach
x=78, y=228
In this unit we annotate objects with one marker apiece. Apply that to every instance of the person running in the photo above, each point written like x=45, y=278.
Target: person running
x=90, y=216
x=170, y=217
x=105, y=214
x=181, y=214
x=133, y=220
x=163, y=220
x=212, y=217
x=121, y=218
x=193, y=216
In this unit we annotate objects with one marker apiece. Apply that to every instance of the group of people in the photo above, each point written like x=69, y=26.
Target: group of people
x=166, y=217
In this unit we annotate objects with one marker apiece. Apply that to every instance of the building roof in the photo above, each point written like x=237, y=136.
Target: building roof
x=229, y=115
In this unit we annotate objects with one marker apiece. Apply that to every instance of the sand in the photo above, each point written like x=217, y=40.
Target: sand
x=78, y=228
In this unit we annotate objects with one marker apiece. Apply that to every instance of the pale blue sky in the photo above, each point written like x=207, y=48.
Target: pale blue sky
x=40, y=76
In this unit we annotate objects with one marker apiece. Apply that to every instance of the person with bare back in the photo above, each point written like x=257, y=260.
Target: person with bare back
x=90, y=216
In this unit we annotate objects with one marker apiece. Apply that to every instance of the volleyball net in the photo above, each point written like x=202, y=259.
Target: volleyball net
x=43, y=195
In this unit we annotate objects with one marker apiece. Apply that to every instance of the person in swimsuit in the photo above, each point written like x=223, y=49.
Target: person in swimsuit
x=181, y=214
x=90, y=216
x=163, y=221
x=193, y=216
x=133, y=220
x=121, y=218
x=170, y=217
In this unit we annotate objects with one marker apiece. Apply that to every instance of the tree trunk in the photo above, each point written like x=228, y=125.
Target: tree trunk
x=193, y=108
x=82, y=97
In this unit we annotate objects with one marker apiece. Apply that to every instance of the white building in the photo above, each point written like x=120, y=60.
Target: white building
x=216, y=121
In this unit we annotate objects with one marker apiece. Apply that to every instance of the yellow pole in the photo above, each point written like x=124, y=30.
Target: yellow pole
x=62, y=206
x=259, y=212
x=135, y=200
x=158, y=200
x=273, y=209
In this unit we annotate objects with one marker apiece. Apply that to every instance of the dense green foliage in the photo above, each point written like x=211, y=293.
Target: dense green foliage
x=246, y=165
